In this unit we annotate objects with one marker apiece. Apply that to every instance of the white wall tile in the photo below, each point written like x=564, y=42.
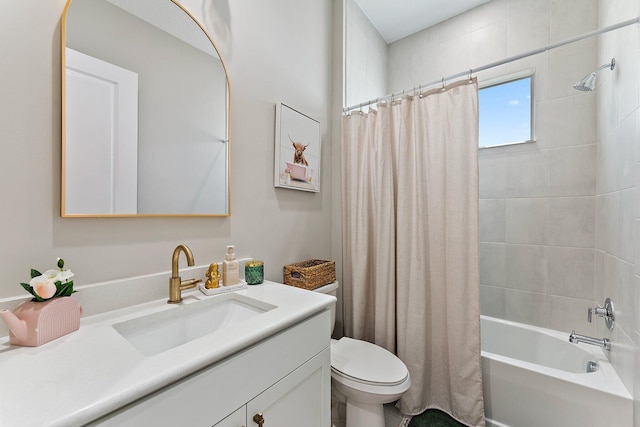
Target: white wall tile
x=490, y=13
x=636, y=385
x=572, y=222
x=572, y=171
x=570, y=63
x=625, y=298
x=527, y=174
x=614, y=11
x=526, y=267
x=492, y=301
x=627, y=70
x=636, y=306
x=608, y=103
x=571, y=272
x=626, y=145
x=454, y=27
x=493, y=176
x=492, y=220
x=488, y=44
x=525, y=307
x=570, y=18
x=527, y=25
x=607, y=160
x=414, y=59
x=615, y=274
x=599, y=275
x=607, y=229
x=567, y=314
x=527, y=221
x=626, y=224
x=455, y=54
x=493, y=264
x=572, y=120
x=624, y=353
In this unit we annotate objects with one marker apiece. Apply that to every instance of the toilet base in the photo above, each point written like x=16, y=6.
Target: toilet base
x=364, y=414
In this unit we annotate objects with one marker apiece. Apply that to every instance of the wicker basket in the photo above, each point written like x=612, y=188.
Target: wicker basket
x=310, y=274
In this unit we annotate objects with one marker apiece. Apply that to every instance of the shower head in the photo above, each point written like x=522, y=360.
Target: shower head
x=588, y=83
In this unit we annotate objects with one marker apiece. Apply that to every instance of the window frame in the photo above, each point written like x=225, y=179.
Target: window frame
x=508, y=78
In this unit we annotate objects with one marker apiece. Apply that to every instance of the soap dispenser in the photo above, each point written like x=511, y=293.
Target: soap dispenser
x=230, y=270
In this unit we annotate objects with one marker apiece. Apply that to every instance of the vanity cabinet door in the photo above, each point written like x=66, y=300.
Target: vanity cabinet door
x=237, y=419
x=302, y=398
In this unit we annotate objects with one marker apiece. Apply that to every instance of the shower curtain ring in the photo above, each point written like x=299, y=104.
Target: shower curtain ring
x=470, y=75
x=443, y=84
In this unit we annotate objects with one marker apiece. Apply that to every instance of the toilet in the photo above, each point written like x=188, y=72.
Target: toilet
x=364, y=375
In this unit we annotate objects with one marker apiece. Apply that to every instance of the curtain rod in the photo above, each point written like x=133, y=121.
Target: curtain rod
x=498, y=63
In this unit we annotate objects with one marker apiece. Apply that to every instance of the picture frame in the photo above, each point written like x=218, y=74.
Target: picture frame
x=297, y=150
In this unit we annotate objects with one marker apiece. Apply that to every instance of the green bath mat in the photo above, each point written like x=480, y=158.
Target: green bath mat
x=434, y=418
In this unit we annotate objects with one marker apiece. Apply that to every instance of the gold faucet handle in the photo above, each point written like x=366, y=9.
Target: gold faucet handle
x=189, y=283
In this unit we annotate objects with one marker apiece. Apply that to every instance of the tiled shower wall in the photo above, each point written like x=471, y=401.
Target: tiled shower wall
x=617, y=263
x=537, y=202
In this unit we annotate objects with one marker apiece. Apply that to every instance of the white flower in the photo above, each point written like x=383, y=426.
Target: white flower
x=43, y=286
x=59, y=276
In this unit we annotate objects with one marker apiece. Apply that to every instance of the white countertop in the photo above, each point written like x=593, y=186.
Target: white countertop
x=93, y=371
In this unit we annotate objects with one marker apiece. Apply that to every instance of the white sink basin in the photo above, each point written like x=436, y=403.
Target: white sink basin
x=157, y=332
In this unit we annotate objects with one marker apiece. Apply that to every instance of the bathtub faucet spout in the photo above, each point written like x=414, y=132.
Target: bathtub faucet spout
x=600, y=342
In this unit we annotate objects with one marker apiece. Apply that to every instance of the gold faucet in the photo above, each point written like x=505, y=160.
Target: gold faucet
x=176, y=285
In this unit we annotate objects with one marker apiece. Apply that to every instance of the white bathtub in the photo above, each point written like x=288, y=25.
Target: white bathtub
x=535, y=377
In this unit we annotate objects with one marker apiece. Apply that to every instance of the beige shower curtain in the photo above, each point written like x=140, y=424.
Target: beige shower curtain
x=410, y=243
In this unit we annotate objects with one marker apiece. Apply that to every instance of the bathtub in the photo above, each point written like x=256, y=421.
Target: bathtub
x=535, y=377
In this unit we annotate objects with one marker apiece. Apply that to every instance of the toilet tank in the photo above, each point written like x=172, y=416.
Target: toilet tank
x=330, y=289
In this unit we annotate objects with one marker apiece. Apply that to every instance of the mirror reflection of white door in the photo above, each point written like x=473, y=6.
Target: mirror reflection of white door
x=101, y=163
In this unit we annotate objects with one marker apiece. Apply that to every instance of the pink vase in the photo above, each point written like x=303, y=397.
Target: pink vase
x=34, y=323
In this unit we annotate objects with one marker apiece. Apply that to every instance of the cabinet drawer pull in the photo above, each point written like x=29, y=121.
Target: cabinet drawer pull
x=258, y=419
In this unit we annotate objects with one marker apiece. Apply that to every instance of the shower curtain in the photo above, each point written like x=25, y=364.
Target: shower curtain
x=410, y=243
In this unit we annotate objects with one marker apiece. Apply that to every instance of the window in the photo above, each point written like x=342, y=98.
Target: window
x=506, y=110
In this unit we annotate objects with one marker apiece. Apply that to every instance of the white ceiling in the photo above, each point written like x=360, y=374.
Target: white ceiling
x=396, y=19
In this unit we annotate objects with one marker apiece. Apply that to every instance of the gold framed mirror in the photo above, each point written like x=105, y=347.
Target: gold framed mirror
x=145, y=112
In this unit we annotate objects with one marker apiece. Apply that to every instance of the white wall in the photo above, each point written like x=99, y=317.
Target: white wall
x=366, y=58
x=275, y=51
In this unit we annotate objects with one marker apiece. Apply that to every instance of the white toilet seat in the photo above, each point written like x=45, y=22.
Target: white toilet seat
x=368, y=368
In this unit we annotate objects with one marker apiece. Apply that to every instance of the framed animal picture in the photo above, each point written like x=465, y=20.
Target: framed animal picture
x=297, y=150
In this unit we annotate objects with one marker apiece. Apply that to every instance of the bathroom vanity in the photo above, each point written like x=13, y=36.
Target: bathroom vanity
x=266, y=355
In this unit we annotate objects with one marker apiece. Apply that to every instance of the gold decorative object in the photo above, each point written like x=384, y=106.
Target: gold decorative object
x=213, y=277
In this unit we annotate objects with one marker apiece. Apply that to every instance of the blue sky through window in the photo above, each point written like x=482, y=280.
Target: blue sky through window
x=505, y=113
